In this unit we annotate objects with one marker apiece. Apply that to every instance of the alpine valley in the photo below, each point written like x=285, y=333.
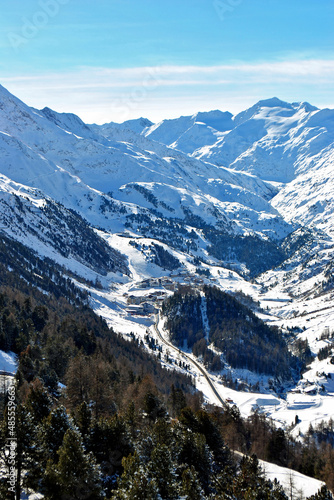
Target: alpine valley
x=207, y=239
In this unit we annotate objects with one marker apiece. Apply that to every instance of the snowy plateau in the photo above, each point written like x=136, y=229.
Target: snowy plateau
x=244, y=203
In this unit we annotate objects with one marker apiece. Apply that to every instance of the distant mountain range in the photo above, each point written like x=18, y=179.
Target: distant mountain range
x=261, y=174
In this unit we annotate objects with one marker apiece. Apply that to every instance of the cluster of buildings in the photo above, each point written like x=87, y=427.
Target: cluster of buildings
x=145, y=304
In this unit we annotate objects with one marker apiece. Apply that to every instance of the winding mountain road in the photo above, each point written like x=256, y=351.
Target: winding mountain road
x=191, y=361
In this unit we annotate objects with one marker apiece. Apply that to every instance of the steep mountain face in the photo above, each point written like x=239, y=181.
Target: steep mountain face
x=30, y=217
x=308, y=199
x=136, y=126
x=71, y=123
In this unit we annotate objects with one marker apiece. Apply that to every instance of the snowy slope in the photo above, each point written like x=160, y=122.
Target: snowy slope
x=295, y=484
x=189, y=133
x=309, y=199
x=271, y=139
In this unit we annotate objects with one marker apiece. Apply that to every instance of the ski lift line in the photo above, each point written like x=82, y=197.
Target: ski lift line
x=197, y=365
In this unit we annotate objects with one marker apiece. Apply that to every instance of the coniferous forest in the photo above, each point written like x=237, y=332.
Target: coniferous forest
x=231, y=324
x=97, y=417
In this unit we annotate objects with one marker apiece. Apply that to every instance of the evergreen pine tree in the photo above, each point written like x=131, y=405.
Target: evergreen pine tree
x=194, y=451
x=83, y=418
x=38, y=401
x=27, y=453
x=190, y=487
x=162, y=469
x=76, y=475
x=323, y=494
x=153, y=407
x=221, y=454
x=135, y=482
x=177, y=401
x=53, y=432
x=162, y=433
x=131, y=418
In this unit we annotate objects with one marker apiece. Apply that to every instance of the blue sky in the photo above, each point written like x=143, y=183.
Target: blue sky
x=112, y=60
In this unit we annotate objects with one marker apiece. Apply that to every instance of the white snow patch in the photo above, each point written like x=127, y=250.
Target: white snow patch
x=296, y=485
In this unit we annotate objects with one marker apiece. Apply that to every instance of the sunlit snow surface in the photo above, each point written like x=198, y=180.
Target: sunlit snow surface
x=296, y=485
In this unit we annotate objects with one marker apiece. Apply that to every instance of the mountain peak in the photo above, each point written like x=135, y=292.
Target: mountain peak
x=137, y=125
x=273, y=102
x=69, y=122
x=5, y=93
x=219, y=120
x=306, y=106
x=6, y=96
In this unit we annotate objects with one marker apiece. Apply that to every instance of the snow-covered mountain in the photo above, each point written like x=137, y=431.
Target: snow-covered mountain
x=291, y=144
x=224, y=197
x=190, y=133
x=224, y=189
x=127, y=179
x=218, y=184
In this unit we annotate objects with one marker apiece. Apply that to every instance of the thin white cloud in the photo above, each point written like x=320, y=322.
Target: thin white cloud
x=104, y=77
x=116, y=94
x=291, y=67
